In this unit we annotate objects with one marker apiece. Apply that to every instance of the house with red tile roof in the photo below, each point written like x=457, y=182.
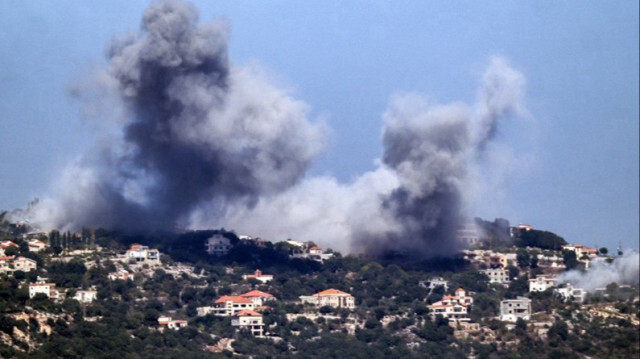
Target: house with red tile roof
x=330, y=297
x=36, y=245
x=455, y=307
x=227, y=306
x=258, y=275
x=258, y=297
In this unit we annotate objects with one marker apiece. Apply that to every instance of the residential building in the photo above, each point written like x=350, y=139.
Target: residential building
x=497, y=275
x=435, y=282
x=7, y=243
x=258, y=298
x=227, y=306
x=453, y=307
x=452, y=311
x=468, y=235
x=541, y=283
x=581, y=250
x=48, y=289
x=250, y=320
x=512, y=309
x=330, y=297
x=218, y=245
x=36, y=245
x=170, y=323
x=6, y=263
x=140, y=253
x=86, y=296
x=24, y=264
x=121, y=274
x=258, y=275
x=569, y=292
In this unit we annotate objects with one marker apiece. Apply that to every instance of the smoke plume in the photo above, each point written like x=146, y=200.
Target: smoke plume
x=191, y=141
x=623, y=270
x=195, y=130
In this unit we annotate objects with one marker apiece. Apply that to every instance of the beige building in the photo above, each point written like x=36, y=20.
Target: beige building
x=24, y=264
x=512, y=309
x=250, y=320
x=330, y=297
x=227, y=306
x=259, y=298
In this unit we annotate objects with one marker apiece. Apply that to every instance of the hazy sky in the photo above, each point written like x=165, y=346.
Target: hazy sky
x=577, y=152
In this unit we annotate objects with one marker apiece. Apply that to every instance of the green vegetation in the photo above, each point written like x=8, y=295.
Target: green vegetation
x=391, y=319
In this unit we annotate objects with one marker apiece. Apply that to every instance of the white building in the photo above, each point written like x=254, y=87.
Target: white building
x=330, y=297
x=541, y=283
x=512, y=309
x=258, y=275
x=218, y=245
x=497, y=275
x=453, y=307
x=24, y=264
x=250, y=320
x=86, y=296
x=121, y=274
x=435, y=282
x=227, y=306
x=140, y=253
x=48, y=289
x=569, y=292
x=36, y=245
x=170, y=323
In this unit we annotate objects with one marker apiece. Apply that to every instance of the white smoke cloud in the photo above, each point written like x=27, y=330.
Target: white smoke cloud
x=623, y=270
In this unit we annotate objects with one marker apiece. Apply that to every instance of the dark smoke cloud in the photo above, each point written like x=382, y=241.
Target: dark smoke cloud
x=191, y=141
x=427, y=179
x=196, y=130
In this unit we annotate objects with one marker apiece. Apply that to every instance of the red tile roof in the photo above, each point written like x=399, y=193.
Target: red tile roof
x=232, y=298
x=315, y=248
x=256, y=293
x=331, y=291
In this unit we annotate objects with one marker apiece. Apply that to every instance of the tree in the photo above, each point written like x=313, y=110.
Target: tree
x=604, y=251
x=569, y=259
x=523, y=259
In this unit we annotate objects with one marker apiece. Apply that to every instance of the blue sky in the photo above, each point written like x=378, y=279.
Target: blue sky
x=345, y=59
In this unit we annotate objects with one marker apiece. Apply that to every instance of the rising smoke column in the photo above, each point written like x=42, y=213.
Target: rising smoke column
x=413, y=202
x=432, y=148
x=195, y=130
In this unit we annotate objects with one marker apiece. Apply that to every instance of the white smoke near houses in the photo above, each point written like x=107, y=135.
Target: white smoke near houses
x=622, y=270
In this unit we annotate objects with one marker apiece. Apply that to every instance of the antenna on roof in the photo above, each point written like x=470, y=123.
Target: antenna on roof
x=619, y=248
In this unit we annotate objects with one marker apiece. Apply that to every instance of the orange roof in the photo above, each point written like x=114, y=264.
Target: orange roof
x=459, y=290
x=256, y=293
x=315, y=248
x=331, y=291
x=232, y=298
x=248, y=313
x=7, y=258
x=136, y=246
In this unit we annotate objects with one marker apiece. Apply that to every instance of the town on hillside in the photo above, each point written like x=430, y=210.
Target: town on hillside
x=514, y=291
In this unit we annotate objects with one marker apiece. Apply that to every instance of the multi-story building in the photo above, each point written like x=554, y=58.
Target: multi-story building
x=250, y=320
x=218, y=245
x=86, y=296
x=140, y=253
x=435, y=282
x=497, y=275
x=569, y=292
x=48, y=289
x=512, y=309
x=541, y=283
x=330, y=297
x=24, y=264
x=227, y=306
x=453, y=307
